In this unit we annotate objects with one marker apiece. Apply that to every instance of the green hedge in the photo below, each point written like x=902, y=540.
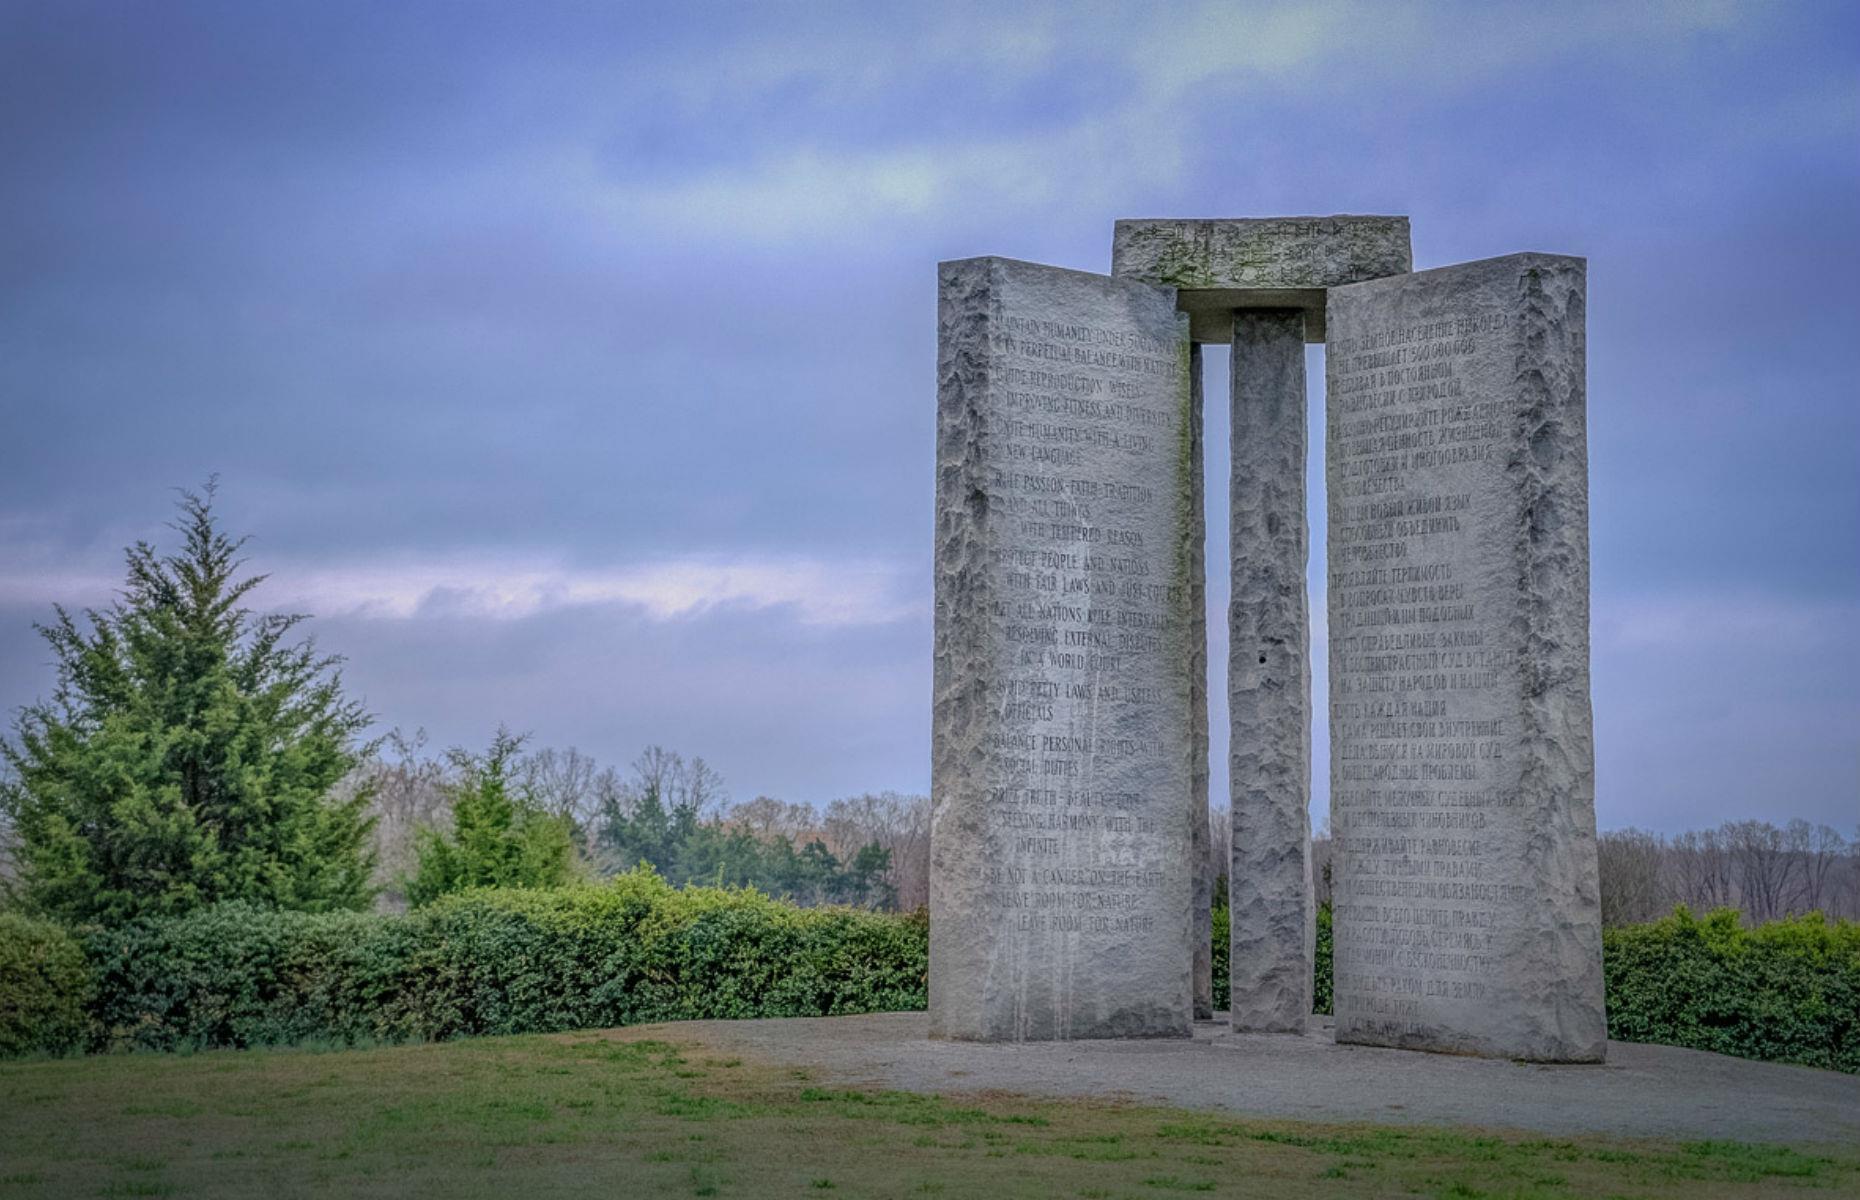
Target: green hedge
x=44, y=988
x=495, y=962
x=1787, y=991
x=638, y=950
x=1221, y=956
x=1320, y=992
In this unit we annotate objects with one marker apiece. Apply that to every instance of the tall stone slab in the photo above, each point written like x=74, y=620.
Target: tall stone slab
x=1467, y=916
x=1272, y=935
x=1061, y=834
x=1201, y=908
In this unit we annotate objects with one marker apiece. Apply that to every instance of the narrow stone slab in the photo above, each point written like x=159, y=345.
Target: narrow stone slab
x=1220, y=265
x=1273, y=933
x=1462, y=759
x=1061, y=835
x=1202, y=908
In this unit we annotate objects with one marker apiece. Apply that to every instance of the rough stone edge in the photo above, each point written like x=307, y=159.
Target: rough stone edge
x=1548, y=473
x=964, y=289
x=1271, y=984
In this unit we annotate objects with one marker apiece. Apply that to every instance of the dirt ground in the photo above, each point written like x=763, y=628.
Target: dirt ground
x=1641, y=1091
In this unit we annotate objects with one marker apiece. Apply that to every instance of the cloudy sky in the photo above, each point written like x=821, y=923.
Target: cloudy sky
x=574, y=363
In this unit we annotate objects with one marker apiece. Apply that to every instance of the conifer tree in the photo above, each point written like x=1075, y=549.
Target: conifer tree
x=188, y=751
x=500, y=836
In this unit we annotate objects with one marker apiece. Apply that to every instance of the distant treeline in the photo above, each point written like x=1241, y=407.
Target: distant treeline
x=868, y=851
x=873, y=850
x=1763, y=870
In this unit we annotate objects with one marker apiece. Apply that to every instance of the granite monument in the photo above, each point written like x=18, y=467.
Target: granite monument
x=1071, y=874
x=1061, y=833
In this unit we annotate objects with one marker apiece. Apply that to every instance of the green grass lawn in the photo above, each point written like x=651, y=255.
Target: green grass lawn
x=646, y=1112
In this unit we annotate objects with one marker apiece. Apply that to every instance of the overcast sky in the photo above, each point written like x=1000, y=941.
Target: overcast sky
x=575, y=363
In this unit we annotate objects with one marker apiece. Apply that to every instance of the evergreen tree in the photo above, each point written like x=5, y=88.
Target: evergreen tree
x=500, y=836
x=817, y=876
x=865, y=884
x=716, y=856
x=659, y=818
x=635, y=829
x=648, y=829
x=187, y=753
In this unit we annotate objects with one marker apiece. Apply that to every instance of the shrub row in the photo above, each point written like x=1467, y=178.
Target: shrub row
x=493, y=962
x=45, y=987
x=1786, y=991
x=639, y=950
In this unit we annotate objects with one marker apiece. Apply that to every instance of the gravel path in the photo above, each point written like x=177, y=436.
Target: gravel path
x=1642, y=1091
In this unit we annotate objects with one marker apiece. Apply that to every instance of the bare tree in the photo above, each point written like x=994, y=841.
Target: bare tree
x=409, y=794
x=565, y=783
x=1820, y=851
x=1850, y=890
x=895, y=822
x=766, y=818
x=611, y=796
x=1323, y=856
x=1702, y=869
x=1220, y=847
x=1632, y=865
x=1764, y=868
x=677, y=782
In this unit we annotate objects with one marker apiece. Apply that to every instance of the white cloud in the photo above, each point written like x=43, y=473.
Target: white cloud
x=1164, y=67
x=495, y=587
x=1348, y=46
x=815, y=192
x=1218, y=39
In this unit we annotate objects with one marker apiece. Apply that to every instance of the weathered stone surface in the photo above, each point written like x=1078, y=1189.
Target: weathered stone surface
x=1462, y=760
x=1202, y=912
x=1274, y=922
x=1202, y=905
x=1061, y=833
x=1258, y=262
